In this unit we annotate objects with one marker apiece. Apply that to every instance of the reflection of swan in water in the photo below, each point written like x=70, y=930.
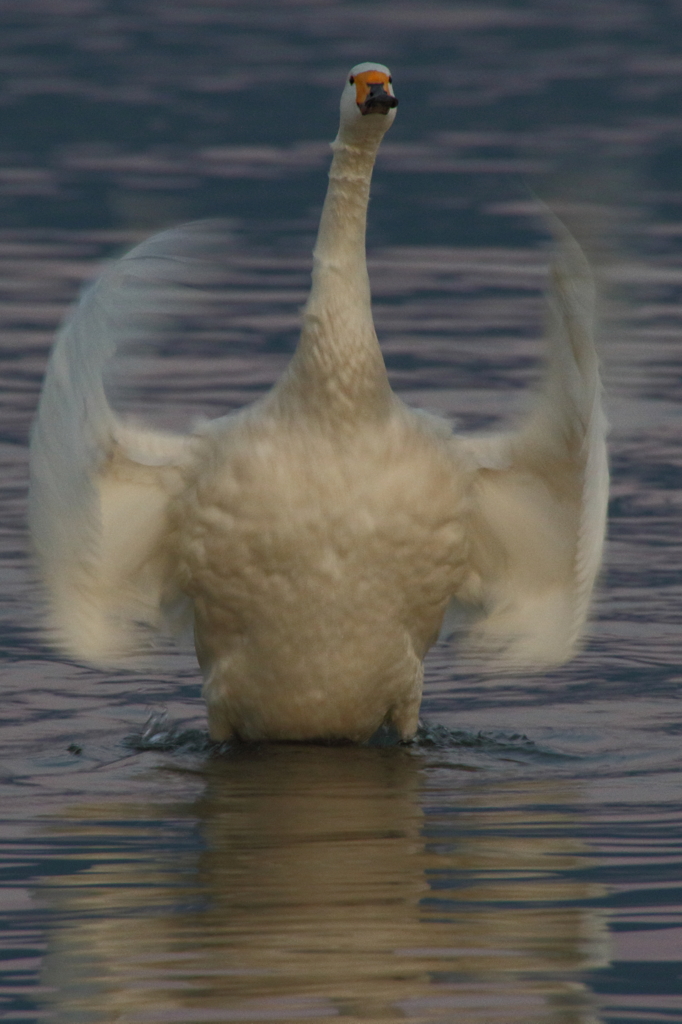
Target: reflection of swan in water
x=316, y=886
x=320, y=534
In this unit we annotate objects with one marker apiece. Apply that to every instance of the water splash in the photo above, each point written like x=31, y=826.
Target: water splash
x=159, y=733
x=433, y=735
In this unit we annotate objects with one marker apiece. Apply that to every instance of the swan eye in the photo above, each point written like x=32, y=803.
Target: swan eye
x=351, y=79
x=390, y=78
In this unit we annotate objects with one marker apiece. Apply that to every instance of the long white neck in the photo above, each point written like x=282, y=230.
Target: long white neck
x=337, y=370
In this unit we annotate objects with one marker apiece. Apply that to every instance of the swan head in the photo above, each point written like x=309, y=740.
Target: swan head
x=368, y=103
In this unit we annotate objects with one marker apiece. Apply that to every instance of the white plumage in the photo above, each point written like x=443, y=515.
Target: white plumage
x=319, y=536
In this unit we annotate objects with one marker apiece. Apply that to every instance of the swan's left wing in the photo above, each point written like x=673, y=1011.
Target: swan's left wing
x=539, y=497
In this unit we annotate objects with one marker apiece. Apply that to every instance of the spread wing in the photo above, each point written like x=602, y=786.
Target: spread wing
x=101, y=486
x=539, y=496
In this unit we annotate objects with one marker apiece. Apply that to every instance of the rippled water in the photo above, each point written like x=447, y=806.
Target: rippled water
x=522, y=861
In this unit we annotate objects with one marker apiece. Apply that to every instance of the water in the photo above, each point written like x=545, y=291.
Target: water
x=522, y=861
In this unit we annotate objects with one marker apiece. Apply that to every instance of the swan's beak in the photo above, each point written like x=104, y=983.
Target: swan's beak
x=374, y=93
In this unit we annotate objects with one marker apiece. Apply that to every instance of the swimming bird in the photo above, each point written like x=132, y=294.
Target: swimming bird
x=321, y=536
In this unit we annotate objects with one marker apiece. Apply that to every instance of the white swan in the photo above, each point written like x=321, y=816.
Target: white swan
x=321, y=534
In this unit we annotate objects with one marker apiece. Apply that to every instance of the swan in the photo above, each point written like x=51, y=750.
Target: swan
x=323, y=535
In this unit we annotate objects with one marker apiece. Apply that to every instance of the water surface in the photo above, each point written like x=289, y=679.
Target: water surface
x=522, y=861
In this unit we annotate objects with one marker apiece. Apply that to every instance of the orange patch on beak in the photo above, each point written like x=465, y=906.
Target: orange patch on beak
x=373, y=92
x=367, y=78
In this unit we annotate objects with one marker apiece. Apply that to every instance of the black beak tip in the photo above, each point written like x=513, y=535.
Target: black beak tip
x=378, y=104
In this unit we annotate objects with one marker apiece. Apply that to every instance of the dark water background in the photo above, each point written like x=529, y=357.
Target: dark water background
x=522, y=863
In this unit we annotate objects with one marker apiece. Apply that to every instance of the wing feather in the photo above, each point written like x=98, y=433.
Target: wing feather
x=540, y=495
x=100, y=485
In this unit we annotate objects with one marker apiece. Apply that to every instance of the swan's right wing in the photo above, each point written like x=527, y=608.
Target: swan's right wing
x=101, y=487
x=539, y=496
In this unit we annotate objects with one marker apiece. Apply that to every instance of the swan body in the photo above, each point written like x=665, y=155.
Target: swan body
x=321, y=536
